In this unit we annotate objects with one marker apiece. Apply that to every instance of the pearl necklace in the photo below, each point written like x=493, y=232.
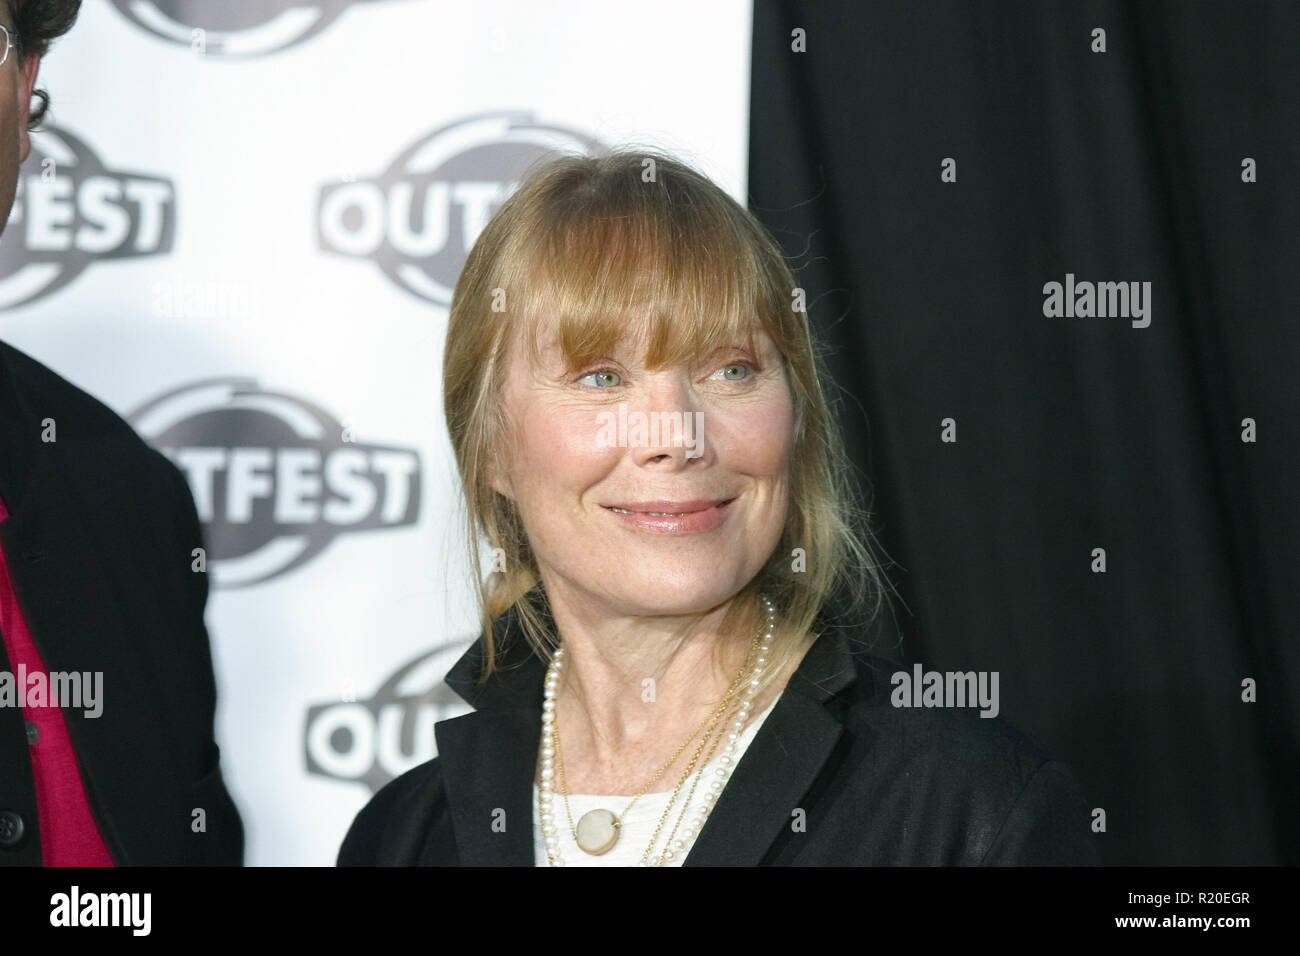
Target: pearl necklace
x=598, y=830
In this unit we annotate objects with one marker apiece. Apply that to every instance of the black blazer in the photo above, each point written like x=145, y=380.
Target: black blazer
x=98, y=544
x=877, y=784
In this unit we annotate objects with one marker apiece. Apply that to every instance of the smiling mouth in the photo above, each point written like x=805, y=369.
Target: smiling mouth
x=669, y=514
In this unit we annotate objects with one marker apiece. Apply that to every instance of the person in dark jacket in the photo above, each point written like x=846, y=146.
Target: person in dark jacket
x=107, y=692
x=860, y=782
x=664, y=676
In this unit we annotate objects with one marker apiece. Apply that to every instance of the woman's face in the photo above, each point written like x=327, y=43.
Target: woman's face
x=721, y=432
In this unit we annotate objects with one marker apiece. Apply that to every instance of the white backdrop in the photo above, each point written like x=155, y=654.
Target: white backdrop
x=239, y=232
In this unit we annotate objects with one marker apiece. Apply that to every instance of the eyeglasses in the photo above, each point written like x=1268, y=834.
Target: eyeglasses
x=11, y=43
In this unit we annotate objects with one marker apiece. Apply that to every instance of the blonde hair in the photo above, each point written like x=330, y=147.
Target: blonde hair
x=588, y=243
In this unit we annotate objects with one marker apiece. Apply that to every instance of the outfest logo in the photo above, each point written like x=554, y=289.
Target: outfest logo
x=275, y=478
x=376, y=739
x=419, y=218
x=71, y=210
x=235, y=28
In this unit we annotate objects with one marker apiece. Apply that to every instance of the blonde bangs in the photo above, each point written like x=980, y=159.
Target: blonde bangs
x=670, y=269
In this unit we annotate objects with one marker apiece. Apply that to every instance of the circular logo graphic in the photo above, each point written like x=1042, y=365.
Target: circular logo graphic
x=377, y=739
x=234, y=27
x=70, y=210
x=275, y=478
x=419, y=219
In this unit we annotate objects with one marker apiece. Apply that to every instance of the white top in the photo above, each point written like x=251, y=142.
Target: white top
x=639, y=824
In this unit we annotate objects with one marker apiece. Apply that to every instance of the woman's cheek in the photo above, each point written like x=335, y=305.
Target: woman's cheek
x=764, y=436
x=547, y=431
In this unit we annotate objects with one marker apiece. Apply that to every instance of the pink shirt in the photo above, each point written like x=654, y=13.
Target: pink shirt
x=69, y=835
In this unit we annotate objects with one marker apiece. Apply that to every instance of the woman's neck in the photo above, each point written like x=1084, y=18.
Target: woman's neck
x=632, y=691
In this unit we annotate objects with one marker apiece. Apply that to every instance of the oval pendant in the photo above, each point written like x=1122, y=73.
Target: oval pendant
x=597, y=832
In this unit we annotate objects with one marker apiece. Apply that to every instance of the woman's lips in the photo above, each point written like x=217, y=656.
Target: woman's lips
x=688, y=517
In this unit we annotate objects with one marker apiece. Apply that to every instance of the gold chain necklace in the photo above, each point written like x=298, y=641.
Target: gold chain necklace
x=659, y=860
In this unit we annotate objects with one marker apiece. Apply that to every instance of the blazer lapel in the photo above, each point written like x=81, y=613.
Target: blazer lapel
x=488, y=761
x=780, y=764
x=489, y=756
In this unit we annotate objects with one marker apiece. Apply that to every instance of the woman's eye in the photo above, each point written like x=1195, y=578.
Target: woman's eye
x=736, y=366
x=605, y=382
x=606, y=378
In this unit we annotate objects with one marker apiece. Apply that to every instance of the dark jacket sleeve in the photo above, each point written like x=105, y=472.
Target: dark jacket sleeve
x=1048, y=825
x=405, y=824
x=221, y=840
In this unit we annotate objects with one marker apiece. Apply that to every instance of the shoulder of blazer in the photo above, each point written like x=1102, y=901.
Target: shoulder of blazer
x=87, y=430
x=952, y=737
x=865, y=701
x=39, y=389
x=937, y=733
x=989, y=790
x=399, y=826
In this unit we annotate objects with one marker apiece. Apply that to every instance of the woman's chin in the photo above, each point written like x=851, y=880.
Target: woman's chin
x=672, y=595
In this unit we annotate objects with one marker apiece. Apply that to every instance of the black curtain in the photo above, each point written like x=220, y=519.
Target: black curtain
x=1169, y=158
